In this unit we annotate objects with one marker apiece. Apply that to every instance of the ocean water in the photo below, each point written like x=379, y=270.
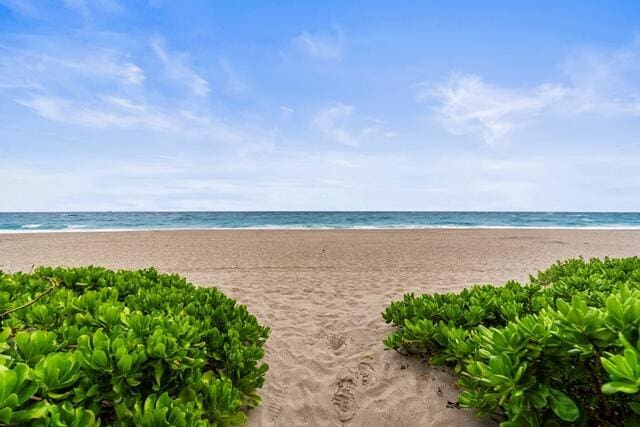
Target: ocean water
x=105, y=221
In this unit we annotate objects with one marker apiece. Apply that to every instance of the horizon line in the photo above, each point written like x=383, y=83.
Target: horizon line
x=313, y=211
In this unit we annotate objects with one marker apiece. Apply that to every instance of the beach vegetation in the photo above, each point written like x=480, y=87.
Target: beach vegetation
x=563, y=349
x=90, y=346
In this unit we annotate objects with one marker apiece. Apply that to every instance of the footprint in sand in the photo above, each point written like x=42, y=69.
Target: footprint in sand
x=336, y=341
x=366, y=375
x=343, y=400
x=276, y=402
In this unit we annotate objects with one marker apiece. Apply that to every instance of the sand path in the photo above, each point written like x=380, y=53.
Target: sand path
x=321, y=292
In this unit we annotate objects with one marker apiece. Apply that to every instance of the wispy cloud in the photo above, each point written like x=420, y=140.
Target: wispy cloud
x=328, y=121
x=107, y=64
x=327, y=46
x=53, y=66
x=178, y=69
x=606, y=82
x=234, y=82
x=43, y=10
x=340, y=124
x=602, y=83
x=98, y=85
x=468, y=105
x=111, y=112
x=285, y=112
x=114, y=112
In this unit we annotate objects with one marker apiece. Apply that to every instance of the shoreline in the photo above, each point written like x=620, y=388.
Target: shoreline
x=362, y=228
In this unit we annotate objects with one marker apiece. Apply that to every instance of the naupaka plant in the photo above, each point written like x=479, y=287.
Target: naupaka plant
x=89, y=346
x=563, y=349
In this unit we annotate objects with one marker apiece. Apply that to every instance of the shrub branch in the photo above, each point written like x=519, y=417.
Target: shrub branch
x=33, y=301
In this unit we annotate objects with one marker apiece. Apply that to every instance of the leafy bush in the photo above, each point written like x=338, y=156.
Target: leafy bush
x=89, y=346
x=561, y=350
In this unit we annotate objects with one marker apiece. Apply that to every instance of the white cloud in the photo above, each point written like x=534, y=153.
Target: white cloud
x=320, y=46
x=114, y=112
x=601, y=83
x=340, y=124
x=176, y=65
x=38, y=9
x=285, y=112
x=109, y=65
x=605, y=82
x=234, y=82
x=328, y=121
x=54, y=66
x=97, y=85
x=468, y=105
x=337, y=161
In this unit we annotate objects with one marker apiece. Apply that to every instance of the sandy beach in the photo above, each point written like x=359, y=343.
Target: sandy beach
x=321, y=292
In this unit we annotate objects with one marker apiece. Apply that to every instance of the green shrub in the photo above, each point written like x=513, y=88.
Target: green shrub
x=89, y=346
x=561, y=350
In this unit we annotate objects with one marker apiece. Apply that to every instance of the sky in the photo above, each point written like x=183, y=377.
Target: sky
x=319, y=105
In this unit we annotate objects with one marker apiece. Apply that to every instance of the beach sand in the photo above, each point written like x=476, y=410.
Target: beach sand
x=321, y=292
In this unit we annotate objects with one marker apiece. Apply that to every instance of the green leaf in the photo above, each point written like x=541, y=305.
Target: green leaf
x=563, y=406
x=99, y=359
x=619, y=387
x=8, y=380
x=635, y=407
x=5, y=415
x=39, y=410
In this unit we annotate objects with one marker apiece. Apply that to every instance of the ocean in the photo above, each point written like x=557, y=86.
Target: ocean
x=111, y=221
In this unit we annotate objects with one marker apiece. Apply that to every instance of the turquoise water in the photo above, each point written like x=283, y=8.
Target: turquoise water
x=87, y=221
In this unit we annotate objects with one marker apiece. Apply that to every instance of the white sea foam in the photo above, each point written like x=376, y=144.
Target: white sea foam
x=30, y=226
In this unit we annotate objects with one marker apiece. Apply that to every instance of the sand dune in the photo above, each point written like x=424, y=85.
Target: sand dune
x=322, y=292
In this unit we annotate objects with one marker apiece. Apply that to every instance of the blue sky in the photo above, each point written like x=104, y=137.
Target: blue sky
x=333, y=105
